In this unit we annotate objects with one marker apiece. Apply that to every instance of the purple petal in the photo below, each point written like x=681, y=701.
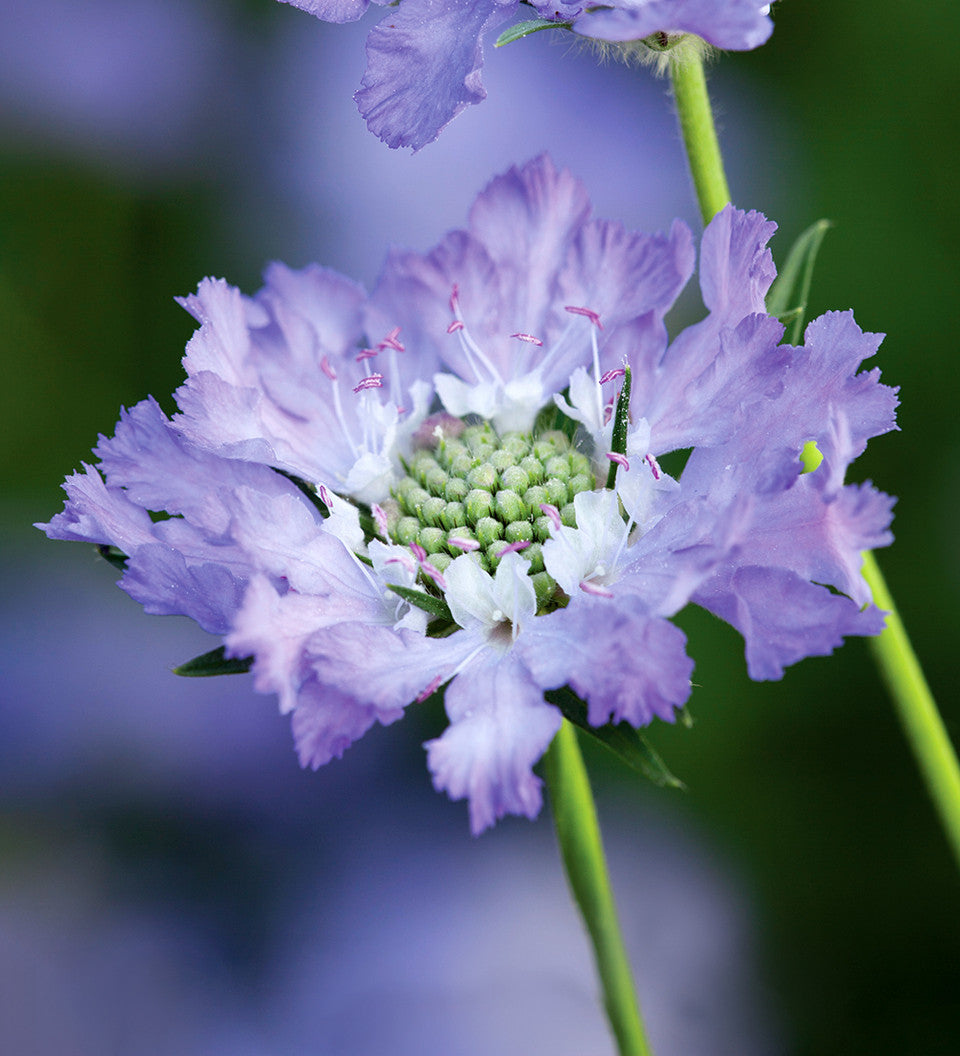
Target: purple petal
x=499, y=727
x=423, y=68
x=327, y=721
x=784, y=618
x=627, y=664
x=738, y=25
x=333, y=10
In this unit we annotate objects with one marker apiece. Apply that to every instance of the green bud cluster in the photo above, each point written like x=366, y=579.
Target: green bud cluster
x=488, y=488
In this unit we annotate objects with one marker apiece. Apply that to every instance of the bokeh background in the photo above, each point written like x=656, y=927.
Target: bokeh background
x=171, y=881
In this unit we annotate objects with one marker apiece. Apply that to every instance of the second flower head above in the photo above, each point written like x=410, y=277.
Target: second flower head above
x=424, y=60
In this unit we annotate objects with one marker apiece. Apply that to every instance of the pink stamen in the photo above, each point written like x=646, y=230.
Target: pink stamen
x=617, y=372
x=327, y=369
x=455, y=299
x=380, y=516
x=654, y=466
x=325, y=496
x=529, y=338
x=512, y=548
x=552, y=512
x=403, y=559
x=366, y=353
x=434, y=573
x=608, y=412
x=418, y=552
x=621, y=460
x=587, y=313
x=431, y=688
x=390, y=341
x=463, y=544
x=456, y=325
x=372, y=381
x=591, y=588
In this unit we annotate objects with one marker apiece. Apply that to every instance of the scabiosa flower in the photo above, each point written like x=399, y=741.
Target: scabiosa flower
x=461, y=481
x=424, y=60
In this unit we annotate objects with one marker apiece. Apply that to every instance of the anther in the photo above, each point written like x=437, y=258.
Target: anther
x=380, y=517
x=390, y=341
x=591, y=588
x=617, y=372
x=366, y=353
x=587, y=313
x=372, y=381
x=654, y=466
x=432, y=686
x=552, y=512
x=512, y=548
x=621, y=460
x=529, y=338
x=463, y=544
x=327, y=369
x=456, y=325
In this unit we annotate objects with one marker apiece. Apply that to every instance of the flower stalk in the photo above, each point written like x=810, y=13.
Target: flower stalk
x=892, y=650
x=578, y=834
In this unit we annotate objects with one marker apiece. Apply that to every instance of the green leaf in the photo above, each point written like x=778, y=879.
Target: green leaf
x=621, y=424
x=113, y=556
x=790, y=292
x=214, y=663
x=622, y=739
x=524, y=29
x=434, y=606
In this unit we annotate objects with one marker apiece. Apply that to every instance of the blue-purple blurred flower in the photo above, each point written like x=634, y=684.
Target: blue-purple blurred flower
x=366, y=495
x=424, y=60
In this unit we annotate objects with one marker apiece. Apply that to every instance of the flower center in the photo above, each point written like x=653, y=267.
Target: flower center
x=473, y=490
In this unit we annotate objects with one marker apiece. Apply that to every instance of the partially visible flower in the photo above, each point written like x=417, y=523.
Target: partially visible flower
x=424, y=60
x=378, y=497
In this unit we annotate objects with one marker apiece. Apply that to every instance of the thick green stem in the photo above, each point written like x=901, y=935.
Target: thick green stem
x=699, y=134
x=578, y=835
x=916, y=708
x=892, y=650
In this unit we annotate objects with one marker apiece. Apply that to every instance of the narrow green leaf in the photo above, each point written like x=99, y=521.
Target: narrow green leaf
x=524, y=29
x=436, y=607
x=622, y=739
x=621, y=424
x=214, y=663
x=113, y=556
x=790, y=292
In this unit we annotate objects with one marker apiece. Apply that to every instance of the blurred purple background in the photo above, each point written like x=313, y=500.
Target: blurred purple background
x=173, y=883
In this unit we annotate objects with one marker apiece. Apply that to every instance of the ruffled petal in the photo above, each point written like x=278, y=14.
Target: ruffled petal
x=737, y=25
x=499, y=727
x=423, y=68
x=784, y=618
x=627, y=664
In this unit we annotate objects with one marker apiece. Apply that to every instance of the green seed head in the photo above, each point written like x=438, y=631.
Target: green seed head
x=488, y=489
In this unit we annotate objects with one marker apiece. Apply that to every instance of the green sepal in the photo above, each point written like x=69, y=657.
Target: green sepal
x=628, y=744
x=436, y=607
x=524, y=29
x=621, y=425
x=113, y=556
x=214, y=663
x=788, y=296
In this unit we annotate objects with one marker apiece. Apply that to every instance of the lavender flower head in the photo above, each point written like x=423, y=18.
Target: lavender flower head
x=446, y=483
x=424, y=60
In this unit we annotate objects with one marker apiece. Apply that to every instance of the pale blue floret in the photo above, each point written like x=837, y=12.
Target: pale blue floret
x=530, y=575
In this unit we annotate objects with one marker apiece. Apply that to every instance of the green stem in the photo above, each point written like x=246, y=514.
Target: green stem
x=578, y=834
x=892, y=650
x=916, y=708
x=699, y=134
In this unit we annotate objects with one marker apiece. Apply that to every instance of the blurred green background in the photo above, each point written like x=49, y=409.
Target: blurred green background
x=805, y=788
